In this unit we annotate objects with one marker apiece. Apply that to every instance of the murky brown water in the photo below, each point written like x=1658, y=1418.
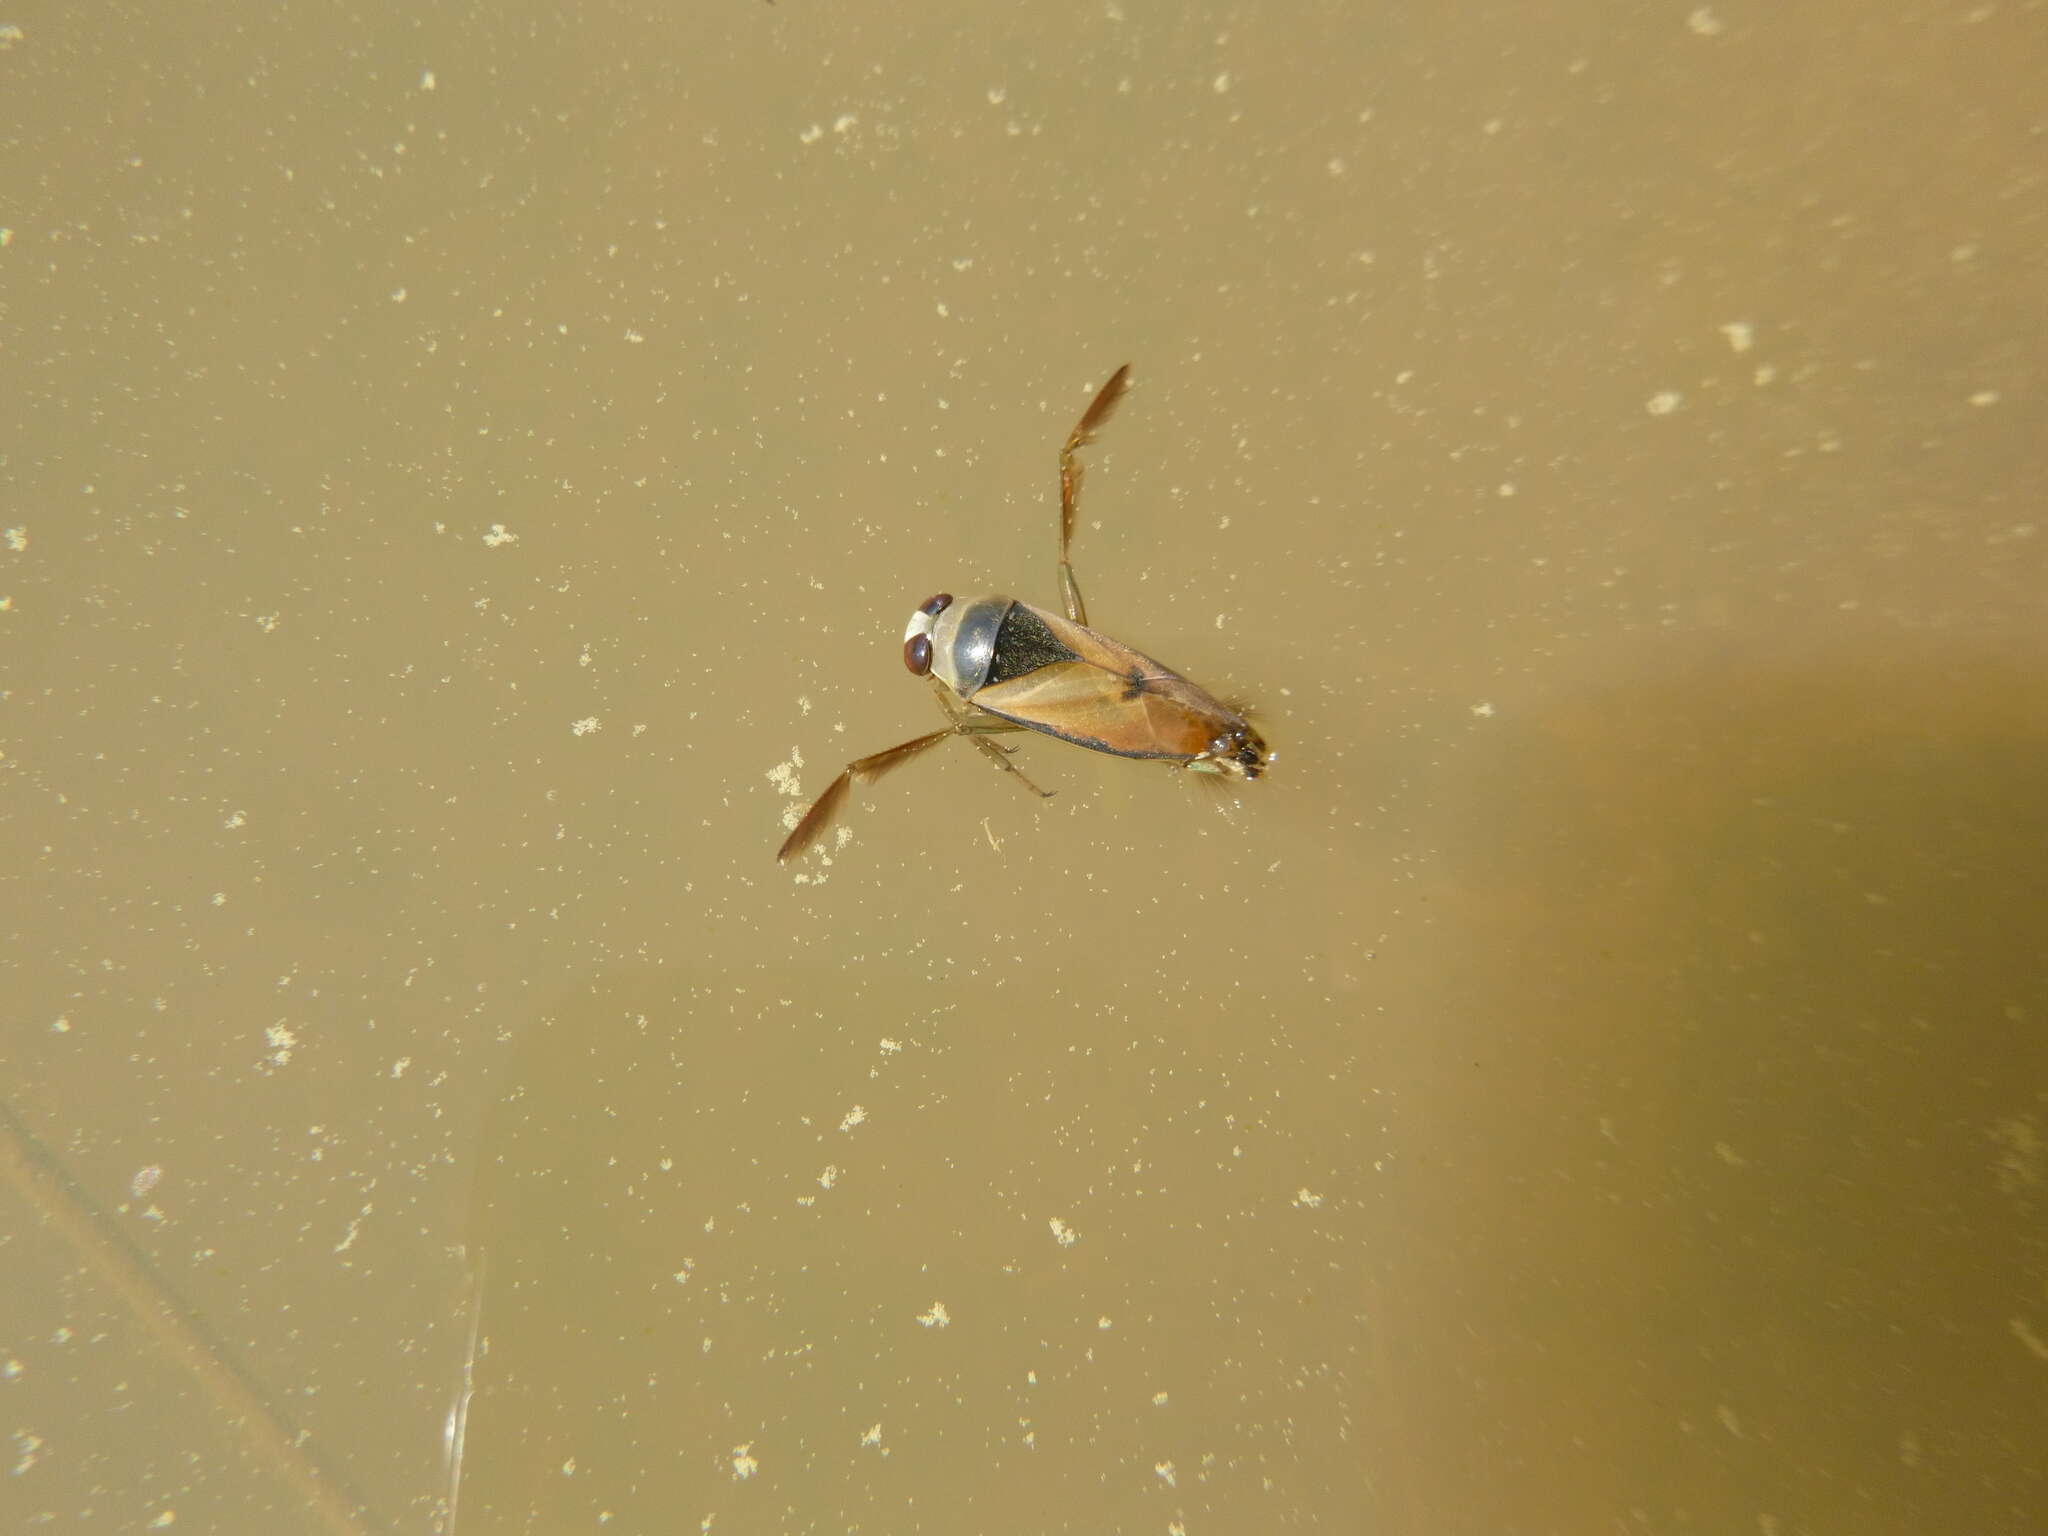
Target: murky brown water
x=467, y=479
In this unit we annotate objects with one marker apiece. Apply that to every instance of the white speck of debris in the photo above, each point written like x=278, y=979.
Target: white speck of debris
x=1984, y=397
x=812, y=134
x=1221, y=83
x=2024, y=1332
x=1165, y=1472
x=398, y=295
x=1483, y=710
x=1664, y=402
x=744, y=1465
x=1158, y=1399
x=844, y=122
x=891, y=1047
x=569, y=1467
x=499, y=536
x=873, y=1435
x=1741, y=335
x=1730, y=1421
x=938, y=1317
x=61, y=1025
x=164, y=1520
x=1505, y=488
x=1103, y=1324
x=281, y=1041
x=145, y=1180
x=853, y=1117
x=1703, y=22
x=588, y=725
x=426, y=79
x=829, y=1177
x=17, y=539
x=355, y=1227
x=2019, y=1149
x=1308, y=1198
x=783, y=775
x=1062, y=1234
x=400, y=1066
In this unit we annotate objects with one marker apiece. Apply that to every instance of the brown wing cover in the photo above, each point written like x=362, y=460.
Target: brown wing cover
x=1110, y=698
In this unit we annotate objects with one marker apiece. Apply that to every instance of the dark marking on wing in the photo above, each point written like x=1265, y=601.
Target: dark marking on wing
x=1023, y=646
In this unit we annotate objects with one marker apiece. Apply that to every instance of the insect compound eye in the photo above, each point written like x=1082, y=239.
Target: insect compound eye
x=917, y=654
x=936, y=605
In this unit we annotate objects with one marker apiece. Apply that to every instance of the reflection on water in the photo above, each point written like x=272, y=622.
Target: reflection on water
x=113, y=1265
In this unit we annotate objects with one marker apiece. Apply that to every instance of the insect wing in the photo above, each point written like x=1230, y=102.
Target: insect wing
x=1104, y=695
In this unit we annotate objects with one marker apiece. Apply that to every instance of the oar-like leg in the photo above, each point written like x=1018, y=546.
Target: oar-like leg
x=826, y=806
x=1083, y=434
x=977, y=728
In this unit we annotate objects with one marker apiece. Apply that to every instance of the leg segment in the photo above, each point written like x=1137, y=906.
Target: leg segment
x=977, y=727
x=826, y=806
x=1070, y=483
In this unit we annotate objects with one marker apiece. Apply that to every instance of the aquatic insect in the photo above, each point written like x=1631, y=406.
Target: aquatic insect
x=999, y=665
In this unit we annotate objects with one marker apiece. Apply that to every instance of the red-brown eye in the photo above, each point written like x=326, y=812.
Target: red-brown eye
x=936, y=605
x=917, y=654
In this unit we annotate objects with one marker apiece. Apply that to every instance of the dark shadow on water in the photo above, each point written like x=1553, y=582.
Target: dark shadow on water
x=1732, y=1207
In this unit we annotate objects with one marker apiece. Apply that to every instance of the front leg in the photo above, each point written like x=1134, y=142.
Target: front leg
x=977, y=725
